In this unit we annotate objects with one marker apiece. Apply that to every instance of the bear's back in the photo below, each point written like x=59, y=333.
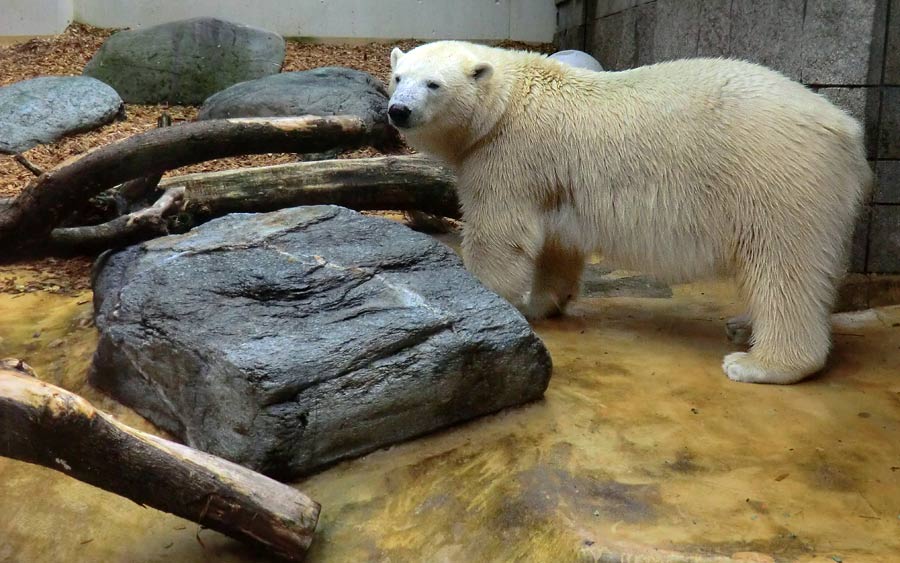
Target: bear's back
x=699, y=88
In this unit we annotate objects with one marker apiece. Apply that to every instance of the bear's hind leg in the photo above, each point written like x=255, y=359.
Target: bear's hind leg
x=556, y=281
x=790, y=303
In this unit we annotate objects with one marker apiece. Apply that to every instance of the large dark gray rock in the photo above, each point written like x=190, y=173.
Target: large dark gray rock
x=42, y=110
x=322, y=91
x=290, y=340
x=185, y=62
x=601, y=281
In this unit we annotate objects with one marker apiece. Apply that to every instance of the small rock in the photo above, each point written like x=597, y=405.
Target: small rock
x=42, y=110
x=599, y=281
x=578, y=59
x=185, y=62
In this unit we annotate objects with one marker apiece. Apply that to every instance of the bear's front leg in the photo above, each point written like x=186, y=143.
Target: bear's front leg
x=505, y=247
x=538, y=277
x=502, y=264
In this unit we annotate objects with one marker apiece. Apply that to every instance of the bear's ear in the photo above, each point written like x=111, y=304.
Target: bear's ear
x=482, y=71
x=395, y=56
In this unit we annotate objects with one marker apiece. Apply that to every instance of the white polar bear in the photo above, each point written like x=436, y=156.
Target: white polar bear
x=684, y=169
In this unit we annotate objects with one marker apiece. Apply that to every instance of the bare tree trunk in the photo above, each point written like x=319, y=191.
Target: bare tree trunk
x=49, y=426
x=55, y=194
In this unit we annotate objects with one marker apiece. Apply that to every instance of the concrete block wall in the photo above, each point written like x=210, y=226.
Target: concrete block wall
x=25, y=18
x=523, y=20
x=847, y=50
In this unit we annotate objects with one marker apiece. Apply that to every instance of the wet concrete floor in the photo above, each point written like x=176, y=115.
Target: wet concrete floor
x=642, y=450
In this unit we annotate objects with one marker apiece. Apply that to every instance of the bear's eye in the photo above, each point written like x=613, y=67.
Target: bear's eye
x=433, y=85
x=397, y=79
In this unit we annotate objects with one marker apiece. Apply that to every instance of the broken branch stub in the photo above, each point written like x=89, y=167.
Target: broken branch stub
x=131, y=228
x=52, y=427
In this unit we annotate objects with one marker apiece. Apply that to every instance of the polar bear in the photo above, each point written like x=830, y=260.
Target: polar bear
x=684, y=170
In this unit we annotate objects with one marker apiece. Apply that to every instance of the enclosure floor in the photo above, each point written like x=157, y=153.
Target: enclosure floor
x=641, y=449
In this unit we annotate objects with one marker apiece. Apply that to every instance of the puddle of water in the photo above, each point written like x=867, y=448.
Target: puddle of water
x=640, y=448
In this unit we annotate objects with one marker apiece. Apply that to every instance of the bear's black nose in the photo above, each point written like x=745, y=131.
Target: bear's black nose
x=399, y=114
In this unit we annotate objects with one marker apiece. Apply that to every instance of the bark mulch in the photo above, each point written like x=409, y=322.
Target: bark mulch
x=67, y=53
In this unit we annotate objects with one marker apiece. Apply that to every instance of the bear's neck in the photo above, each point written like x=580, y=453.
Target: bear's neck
x=455, y=145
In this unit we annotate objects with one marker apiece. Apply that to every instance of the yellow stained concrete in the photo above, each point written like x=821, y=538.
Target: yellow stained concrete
x=641, y=450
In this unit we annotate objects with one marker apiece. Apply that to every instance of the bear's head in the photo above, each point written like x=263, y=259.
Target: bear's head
x=442, y=95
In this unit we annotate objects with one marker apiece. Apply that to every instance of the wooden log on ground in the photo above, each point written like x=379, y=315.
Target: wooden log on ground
x=55, y=194
x=401, y=183
x=49, y=426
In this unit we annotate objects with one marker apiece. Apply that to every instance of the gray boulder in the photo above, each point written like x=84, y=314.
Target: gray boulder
x=185, y=62
x=601, y=281
x=42, y=110
x=578, y=59
x=290, y=340
x=322, y=91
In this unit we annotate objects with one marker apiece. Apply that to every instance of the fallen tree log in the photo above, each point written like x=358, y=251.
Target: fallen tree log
x=57, y=193
x=49, y=426
x=402, y=183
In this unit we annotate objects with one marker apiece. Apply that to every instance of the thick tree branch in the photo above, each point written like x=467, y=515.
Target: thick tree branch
x=49, y=426
x=48, y=199
x=383, y=183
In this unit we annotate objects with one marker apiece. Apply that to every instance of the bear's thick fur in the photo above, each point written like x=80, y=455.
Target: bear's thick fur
x=684, y=170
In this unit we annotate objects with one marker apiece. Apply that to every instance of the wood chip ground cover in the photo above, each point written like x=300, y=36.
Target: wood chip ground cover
x=67, y=53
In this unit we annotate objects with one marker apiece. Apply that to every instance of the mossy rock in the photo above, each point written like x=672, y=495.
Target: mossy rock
x=185, y=62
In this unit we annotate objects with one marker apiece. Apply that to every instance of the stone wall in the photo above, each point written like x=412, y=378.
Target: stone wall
x=848, y=50
x=522, y=20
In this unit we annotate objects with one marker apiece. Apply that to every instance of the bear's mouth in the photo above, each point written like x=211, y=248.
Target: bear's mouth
x=398, y=125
